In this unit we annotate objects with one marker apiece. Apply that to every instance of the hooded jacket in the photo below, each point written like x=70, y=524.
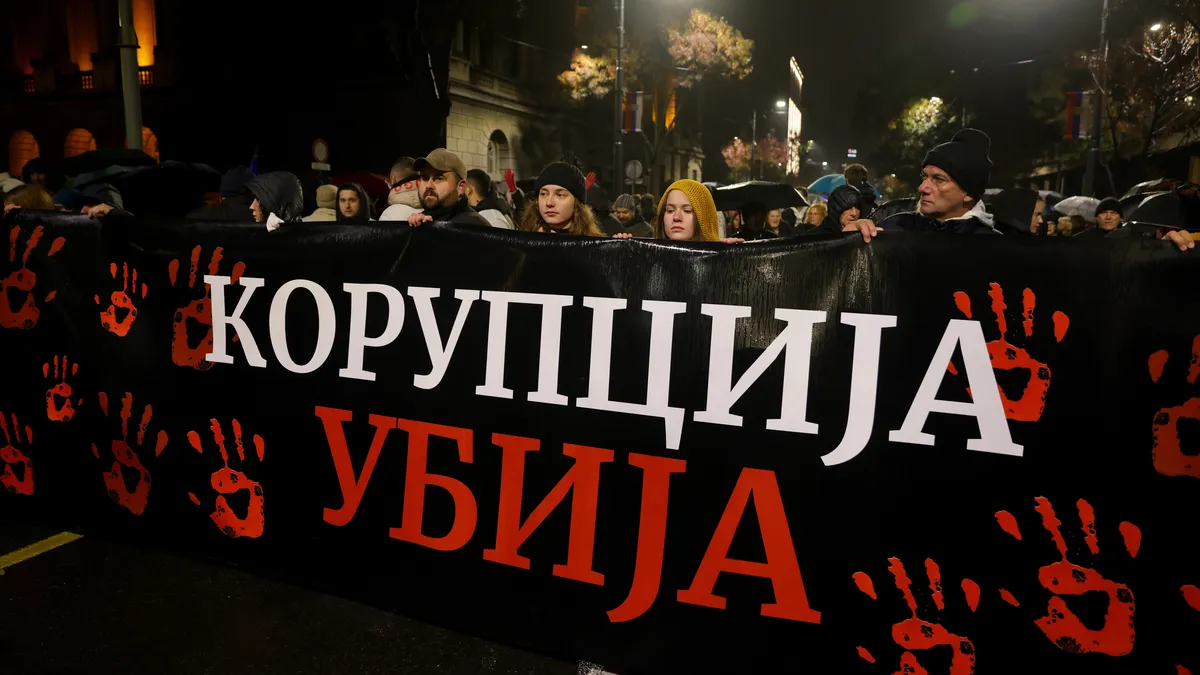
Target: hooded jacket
x=364, y=204
x=279, y=192
x=495, y=211
x=1013, y=211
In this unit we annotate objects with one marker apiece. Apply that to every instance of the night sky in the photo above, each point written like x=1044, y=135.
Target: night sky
x=837, y=42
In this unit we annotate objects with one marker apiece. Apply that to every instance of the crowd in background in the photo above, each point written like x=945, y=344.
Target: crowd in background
x=953, y=198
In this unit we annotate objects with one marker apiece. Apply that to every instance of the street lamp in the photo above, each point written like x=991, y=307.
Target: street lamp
x=583, y=47
x=1155, y=28
x=780, y=104
x=936, y=100
x=619, y=106
x=1093, y=158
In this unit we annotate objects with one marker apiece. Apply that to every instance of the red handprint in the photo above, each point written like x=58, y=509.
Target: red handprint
x=510, y=179
x=1166, y=451
x=1006, y=356
x=199, y=310
x=1064, y=629
x=914, y=634
x=15, y=461
x=226, y=481
x=589, y=180
x=25, y=315
x=64, y=411
x=121, y=302
x=126, y=457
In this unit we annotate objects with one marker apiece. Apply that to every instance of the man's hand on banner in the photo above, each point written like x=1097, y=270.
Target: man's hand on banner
x=22, y=281
x=1167, y=452
x=18, y=468
x=197, y=312
x=914, y=634
x=61, y=390
x=1182, y=239
x=1006, y=356
x=1064, y=578
x=121, y=302
x=227, y=481
x=416, y=219
x=134, y=499
x=866, y=227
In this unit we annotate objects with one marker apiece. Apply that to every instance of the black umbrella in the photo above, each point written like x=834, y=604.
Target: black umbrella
x=1160, y=185
x=96, y=160
x=770, y=195
x=1180, y=208
x=890, y=208
x=168, y=189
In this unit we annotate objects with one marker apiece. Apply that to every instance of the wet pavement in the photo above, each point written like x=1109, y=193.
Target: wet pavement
x=93, y=607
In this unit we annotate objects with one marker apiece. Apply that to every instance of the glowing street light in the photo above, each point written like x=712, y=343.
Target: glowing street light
x=1156, y=27
x=936, y=100
x=781, y=104
x=583, y=47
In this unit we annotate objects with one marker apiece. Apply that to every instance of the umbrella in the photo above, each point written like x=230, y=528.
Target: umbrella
x=375, y=184
x=1160, y=185
x=1131, y=202
x=1180, y=208
x=98, y=160
x=1084, y=207
x=771, y=195
x=906, y=205
x=169, y=189
x=827, y=184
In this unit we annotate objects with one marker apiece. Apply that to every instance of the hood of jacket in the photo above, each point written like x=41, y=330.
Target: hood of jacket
x=978, y=212
x=279, y=192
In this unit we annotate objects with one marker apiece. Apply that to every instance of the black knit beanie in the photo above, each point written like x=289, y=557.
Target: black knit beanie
x=1110, y=204
x=563, y=175
x=965, y=158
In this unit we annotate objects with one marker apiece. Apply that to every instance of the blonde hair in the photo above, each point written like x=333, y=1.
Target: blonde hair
x=30, y=197
x=817, y=208
x=583, y=220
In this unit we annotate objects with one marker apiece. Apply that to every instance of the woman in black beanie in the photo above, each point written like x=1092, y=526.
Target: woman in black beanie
x=561, y=206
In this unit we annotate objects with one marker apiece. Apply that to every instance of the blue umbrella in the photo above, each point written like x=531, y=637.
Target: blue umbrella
x=827, y=184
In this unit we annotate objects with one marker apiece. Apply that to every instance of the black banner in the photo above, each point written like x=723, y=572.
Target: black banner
x=928, y=454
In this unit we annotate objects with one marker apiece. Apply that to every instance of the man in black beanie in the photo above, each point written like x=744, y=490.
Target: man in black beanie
x=954, y=178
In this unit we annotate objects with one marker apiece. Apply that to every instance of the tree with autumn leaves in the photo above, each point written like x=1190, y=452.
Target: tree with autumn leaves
x=660, y=62
x=769, y=162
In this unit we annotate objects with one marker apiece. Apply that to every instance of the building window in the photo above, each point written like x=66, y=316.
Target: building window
x=27, y=85
x=78, y=142
x=150, y=143
x=22, y=147
x=146, y=76
x=499, y=156
x=86, y=81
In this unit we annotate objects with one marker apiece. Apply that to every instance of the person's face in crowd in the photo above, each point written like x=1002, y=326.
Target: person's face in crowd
x=679, y=219
x=815, y=217
x=257, y=210
x=737, y=220
x=1108, y=220
x=1065, y=226
x=38, y=178
x=1036, y=222
x=849, y=215
x=941, y=197
x=623, y=215
x=557, y=205
x=774, y=218
x=440, y=188
x=1052, y=228
x=348, y=203
x=473, y=196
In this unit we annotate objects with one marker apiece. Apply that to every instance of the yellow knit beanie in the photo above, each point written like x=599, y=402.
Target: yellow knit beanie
x=702, y=205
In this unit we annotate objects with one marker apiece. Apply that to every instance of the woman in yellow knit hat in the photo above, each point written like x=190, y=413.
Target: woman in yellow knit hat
x=686, y=212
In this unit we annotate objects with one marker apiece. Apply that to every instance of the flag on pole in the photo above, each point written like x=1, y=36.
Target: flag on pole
x=634, y=108
x=1079, y=116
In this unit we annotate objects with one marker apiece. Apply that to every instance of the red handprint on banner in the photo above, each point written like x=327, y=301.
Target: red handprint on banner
x=1167, y=450
x=21, y=282
x=1060, y=625
x=18, y=468
x=198, y=311
x=136, y=498
x=915, y=634
x=227, y=481
x=1006, y=356
x=121, y=312
x=57, y=411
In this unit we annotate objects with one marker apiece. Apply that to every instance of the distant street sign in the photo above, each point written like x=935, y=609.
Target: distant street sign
x=320, y=166
x=634, y=170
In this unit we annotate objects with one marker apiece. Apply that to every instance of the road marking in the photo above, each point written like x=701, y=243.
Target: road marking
x=47, y=544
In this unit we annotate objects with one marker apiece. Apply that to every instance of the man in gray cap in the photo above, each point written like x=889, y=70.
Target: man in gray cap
x=442, y=188
x=625, y=209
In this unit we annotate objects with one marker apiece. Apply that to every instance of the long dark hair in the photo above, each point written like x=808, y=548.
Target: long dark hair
x=364, y=214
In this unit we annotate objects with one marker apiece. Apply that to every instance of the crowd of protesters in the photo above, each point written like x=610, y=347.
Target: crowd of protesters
x=953, y=198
